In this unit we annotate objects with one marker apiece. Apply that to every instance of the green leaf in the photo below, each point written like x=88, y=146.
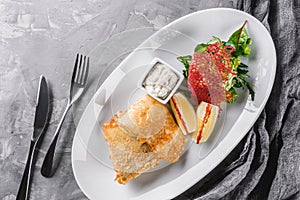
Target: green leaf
x=230, y=83
x=240, y=40
x=201, y=48
x=214, y=40
x=242, y=65
x=185, y=60
x=242, y=71
x=251, y=91
x=234, y=63
x=234, y=94
x=247, y=49
x=230, y=43
x=242, y=82
x=239, y=82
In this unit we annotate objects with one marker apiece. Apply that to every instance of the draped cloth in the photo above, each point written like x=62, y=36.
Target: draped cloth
x=266, y=163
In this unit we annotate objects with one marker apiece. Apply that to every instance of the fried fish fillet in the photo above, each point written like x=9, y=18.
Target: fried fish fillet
x=141, y=136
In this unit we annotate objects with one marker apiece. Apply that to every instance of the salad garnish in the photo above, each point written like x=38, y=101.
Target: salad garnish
x=215, y=71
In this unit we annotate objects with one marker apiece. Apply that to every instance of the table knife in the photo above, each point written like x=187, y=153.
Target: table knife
x=40, y=121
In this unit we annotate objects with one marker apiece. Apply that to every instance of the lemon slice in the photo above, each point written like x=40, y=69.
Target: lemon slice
x=207, y=115
x=184, y=113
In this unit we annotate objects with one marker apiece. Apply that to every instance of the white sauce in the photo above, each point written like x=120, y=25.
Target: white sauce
x=160, y=81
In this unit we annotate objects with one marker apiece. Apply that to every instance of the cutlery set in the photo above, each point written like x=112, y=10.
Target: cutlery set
x=77, y=85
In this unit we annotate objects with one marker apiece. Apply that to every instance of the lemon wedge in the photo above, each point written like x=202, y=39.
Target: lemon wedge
x=207, y=115
x=184, y=113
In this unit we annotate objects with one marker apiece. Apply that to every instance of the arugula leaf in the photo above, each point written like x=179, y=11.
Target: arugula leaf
x=230, y=83
x=251, y=91
x=242, y=65
x=240, y=79
x=243, y=71
x=185, y=60
x=241, y=42
x=239, y=82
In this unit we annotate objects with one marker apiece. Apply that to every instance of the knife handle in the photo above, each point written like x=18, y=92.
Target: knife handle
x=24, y=185
x=47, y=165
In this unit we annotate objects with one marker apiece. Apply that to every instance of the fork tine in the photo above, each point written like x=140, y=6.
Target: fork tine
x=82, y=69
x=86, y=71
x=75, y=68
x=78, y=68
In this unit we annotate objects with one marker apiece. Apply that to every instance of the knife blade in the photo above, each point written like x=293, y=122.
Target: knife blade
x=39, y=125
x=42, y=108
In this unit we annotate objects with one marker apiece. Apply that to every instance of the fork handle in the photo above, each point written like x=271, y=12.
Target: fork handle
x=47, y=165
x=24, y=185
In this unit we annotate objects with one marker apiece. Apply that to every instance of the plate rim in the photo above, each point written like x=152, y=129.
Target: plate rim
x=187, y=185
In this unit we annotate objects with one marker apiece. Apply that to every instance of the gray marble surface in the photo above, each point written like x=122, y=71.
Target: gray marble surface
x=42, y=37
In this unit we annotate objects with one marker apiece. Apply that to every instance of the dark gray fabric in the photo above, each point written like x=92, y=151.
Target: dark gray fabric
x=266, y=164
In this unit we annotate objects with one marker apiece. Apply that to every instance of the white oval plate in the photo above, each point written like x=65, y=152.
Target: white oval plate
x=95, y=178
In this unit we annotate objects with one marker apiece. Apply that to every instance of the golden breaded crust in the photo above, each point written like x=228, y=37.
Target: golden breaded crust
x=132, y=154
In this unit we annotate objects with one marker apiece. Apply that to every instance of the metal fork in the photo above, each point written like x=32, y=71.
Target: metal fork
x=78, y=83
